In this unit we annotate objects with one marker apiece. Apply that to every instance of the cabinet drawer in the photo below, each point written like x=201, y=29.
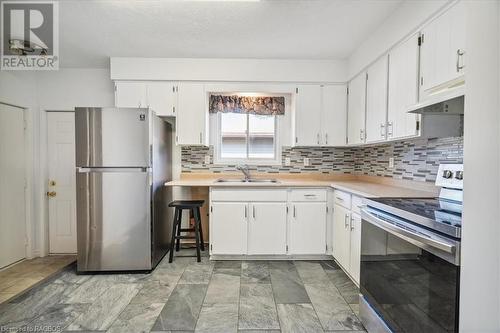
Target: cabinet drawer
x=342, y=198
x=248, y=195
x=356, y=203
x=308, y=195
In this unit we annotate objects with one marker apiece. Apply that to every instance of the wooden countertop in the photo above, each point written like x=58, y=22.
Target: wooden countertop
x=365, y=186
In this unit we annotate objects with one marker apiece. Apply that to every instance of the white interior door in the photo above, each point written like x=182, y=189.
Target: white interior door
x=61, y=182
x=12, y=185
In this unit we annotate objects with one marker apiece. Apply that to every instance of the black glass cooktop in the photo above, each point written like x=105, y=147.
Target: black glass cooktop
x=440, y=214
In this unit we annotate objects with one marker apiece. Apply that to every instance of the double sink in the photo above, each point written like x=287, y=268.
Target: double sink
x=246, y=180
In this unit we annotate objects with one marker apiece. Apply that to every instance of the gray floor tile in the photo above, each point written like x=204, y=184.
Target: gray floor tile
x=311, y=273
x=221, y=264
x=224, y=286
x=155, y=291
x=136, y=318
x=216, y=318
x=333, y=311
x=298, y=318
x=287, y=285
x=255, y=272
x=257, y=307
x=106, y=308
x=182, y=308
x=89, y=291
x=197, y=273
x=58, y=316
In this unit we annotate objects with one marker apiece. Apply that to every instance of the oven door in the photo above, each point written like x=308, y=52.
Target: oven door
x=409, y=276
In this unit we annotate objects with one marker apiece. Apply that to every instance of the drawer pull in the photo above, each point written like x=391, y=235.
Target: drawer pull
x=310, y=195
x=339, y=198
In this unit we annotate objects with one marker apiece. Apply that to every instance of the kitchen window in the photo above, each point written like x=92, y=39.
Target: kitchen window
x=248, y=137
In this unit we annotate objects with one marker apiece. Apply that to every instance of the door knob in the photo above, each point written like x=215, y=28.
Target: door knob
x=51, y=194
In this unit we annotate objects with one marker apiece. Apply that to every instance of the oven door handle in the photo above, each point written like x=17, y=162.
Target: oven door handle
x=407, y=235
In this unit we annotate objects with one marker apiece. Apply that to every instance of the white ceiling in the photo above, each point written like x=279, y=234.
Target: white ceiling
x=91, y=31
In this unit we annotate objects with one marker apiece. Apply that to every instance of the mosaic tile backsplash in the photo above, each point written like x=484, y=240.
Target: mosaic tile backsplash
x=413, y=159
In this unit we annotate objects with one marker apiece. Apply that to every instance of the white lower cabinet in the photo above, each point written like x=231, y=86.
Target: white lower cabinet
x=268, y=222
x=308, y=228
x=266, y=228
x=347, y=233
x=228, y=227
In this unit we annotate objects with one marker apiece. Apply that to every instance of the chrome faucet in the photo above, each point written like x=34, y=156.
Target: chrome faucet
x=246, y=171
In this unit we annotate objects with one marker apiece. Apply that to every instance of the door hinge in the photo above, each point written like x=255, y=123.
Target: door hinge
x=327, y=209
x=287, y=209
x=173, y=109
x=296, y=140
x=419, y=42
x=173, y=89
x=366, y=76
x=25, y=124
x=421, y=80
x=326, y=248
x=286, y=248
x=347, y=90
x=417, y=125
x=211, y=247
x=296, y=90
x=211, y=209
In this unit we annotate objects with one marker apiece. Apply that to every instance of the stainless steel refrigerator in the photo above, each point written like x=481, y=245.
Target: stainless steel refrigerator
x=123, y=158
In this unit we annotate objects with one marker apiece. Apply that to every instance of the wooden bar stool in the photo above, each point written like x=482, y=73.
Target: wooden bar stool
x=193, y=206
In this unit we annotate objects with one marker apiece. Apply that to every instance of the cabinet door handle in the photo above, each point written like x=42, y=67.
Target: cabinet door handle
x=294, y=211
x=460, y=53
x=346, y=219
x=351, y=223
x=246, y=215
x=339, y=198
x=390, y=128
x=382, y=130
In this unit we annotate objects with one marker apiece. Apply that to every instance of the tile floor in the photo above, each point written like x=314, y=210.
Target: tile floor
x=17, y=278
x=186, y=296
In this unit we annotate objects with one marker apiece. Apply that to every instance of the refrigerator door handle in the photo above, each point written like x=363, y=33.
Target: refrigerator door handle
x=88, y=170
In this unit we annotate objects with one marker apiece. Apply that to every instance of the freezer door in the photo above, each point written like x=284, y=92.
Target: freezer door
x=113, y=219
x=112, y=137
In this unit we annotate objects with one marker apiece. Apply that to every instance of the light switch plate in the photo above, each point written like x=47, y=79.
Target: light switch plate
x=391, y=162
x=207, y=159
x=287, y=161
x=306, y=161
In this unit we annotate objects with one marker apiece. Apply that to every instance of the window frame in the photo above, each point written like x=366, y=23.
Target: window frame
x=218, y=160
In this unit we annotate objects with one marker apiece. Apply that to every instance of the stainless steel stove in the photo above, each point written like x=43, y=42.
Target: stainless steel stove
x=410, y=259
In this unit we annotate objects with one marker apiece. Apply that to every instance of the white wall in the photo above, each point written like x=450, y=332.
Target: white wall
x=251, y=70
x=405, y=20
x=480, y=280
x=19, y=88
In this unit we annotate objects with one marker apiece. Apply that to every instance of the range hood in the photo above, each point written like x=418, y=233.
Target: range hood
x=442, y=104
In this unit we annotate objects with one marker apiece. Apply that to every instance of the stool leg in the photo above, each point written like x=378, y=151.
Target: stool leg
x=197, y=226
x=174, y=224
x=179, y=226
x=201, y=230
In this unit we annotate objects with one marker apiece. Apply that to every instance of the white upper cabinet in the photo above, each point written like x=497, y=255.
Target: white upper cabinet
x=192, y=114
x=131, y=94
x=307, y=117
x=356, y=110
x=162, y=97
x=334, y=115
x=442, y=50
x=403, y=89
x=376, y=101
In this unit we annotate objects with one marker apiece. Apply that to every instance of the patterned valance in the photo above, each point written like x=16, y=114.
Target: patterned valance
x=261, y=105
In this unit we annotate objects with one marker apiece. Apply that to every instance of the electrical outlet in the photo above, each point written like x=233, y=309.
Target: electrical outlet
x=391, y=162
x=287, y=161
x=306, y=161
x=207, y=159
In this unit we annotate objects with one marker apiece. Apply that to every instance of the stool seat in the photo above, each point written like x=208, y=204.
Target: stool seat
x=193, y=206
x=186, y=203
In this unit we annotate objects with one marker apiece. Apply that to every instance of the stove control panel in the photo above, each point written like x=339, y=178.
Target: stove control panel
x=450, y=176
